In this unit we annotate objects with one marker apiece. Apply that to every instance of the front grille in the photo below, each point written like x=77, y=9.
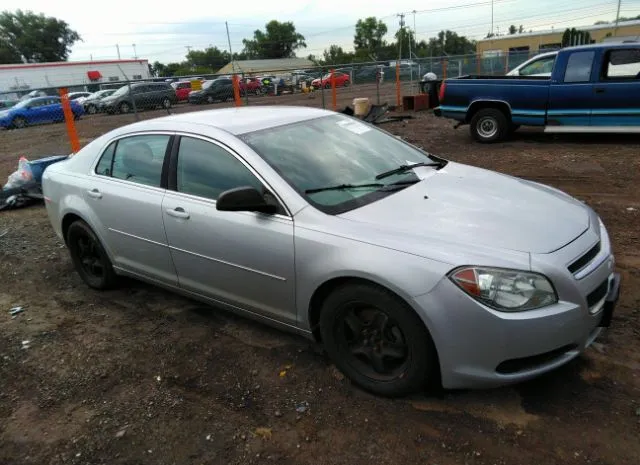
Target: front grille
x=598, y=293
x=585, y=259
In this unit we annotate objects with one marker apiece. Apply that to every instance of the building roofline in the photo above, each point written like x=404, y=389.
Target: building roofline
x=68, y=63
x=593, y=27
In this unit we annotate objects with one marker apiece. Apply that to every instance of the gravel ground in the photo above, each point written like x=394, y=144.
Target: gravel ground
x=138, y=375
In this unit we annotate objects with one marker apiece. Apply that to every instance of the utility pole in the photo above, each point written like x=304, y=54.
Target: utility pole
x=491, y=18
x=135, y=54
x=401, y=15
x=233, y=62
x=118, y=49
x=615, y=31
x=415, y=32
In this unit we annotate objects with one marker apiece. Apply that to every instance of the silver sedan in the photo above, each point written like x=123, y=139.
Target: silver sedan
x=410, y=269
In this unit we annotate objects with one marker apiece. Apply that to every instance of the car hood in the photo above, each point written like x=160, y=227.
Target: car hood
x=473, y=206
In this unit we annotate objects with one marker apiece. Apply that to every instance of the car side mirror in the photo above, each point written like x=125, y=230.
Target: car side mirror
x=246, y=199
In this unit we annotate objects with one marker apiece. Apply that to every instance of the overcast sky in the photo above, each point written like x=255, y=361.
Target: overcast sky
x=163, y=31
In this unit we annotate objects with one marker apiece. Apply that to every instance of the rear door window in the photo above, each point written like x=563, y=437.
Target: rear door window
x=137, y=159
x=622, y=64
x=579, y=67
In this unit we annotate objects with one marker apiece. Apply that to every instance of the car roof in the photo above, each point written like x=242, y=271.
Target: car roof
x=239, y=120
x=607, y=45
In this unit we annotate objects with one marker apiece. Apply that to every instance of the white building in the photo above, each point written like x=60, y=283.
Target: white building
x=24, y=77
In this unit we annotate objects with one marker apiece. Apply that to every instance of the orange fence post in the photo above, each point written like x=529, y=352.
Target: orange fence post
x=444, y=68
x=334, y=93
x=69, y=119
x=236, y=90
x=398, y=89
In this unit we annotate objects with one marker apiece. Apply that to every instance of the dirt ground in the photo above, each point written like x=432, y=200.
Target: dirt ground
x=141, y=376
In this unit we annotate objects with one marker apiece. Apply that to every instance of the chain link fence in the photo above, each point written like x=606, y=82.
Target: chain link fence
x=102, y=107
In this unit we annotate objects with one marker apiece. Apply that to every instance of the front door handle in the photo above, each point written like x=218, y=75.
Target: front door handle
x=95, y=193
x=178, y=212
x=600, y=90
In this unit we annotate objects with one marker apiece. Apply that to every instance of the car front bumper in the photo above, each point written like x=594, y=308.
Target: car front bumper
x=480, y=347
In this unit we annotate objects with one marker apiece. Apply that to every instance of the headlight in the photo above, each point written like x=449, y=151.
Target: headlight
x=505, y=290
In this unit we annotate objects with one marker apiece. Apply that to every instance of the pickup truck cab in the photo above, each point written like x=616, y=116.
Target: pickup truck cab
x=592, y=89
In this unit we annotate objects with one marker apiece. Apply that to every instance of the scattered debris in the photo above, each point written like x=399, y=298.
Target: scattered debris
x=302, y=407
x=278, y=413
x=121, y=433
x=25, y=344
x=638, y=411
x=15, y=310
x=158, y=378
x=631, y=209
x=282, y=373
x=4, y=233
x=208, y=437
x=337, y=374
x=264, y=433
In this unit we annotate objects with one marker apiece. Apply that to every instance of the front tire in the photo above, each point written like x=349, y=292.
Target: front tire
x=89, y=257
x=377, y=340
x=489, y=125
x=92, y=109
x=19, y=123
x=166, y=103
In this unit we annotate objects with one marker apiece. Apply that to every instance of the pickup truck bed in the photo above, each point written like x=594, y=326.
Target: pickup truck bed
x=593, y=88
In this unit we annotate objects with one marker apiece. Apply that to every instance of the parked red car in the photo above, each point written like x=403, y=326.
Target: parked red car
x=251, y=85
x=342, y=79
x=182, y=89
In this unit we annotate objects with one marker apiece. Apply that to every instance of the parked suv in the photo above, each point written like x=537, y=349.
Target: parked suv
x=219, y=89
x=143, y=94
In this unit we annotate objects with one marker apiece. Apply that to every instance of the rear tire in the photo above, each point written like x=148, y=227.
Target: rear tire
x=489, y=125
x=166, y=103
x=92, y=109
x=89, y=257
x=377, y=340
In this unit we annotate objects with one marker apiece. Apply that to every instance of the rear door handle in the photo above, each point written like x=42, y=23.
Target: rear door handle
x=600, y=90
x=178, y=212
x=95, y=193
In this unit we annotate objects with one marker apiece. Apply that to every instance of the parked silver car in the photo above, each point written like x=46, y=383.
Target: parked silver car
x=409, y=268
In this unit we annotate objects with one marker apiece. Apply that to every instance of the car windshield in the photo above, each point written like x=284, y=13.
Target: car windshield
x=341, y=152
x=22, y=103
x=207, y=84
x=121, y=91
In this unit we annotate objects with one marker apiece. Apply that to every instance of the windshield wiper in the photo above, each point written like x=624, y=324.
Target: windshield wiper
x=403, y=168
x=340, y=187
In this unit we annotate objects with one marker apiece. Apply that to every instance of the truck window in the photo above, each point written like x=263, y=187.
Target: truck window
x=622, y=64
x=579, y=67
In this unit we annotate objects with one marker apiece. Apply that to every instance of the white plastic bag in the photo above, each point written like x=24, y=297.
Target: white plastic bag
x=21, y=176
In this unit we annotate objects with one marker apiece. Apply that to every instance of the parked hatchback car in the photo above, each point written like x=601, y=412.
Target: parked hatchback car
x=35, y=111
x=220, y=89
x=342, y=80
x=408, y=268
x=143, y=94
x=92, y=103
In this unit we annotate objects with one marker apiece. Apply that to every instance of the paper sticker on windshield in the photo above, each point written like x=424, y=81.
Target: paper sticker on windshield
x=354, y=126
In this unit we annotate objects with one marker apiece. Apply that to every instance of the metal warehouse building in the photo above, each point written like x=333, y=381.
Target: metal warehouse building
x=24, y=77
x=551, y=39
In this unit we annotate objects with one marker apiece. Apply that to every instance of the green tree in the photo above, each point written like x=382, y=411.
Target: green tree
x=279, y=40
x=34, y=38
x=212, y=58
x=448, y=43
x=335, y=55
x=513, y=29
x=574, y=36
x=368, y=39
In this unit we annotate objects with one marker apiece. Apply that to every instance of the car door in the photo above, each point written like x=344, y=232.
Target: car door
x=36, y=111
x=140, y=95
x=616, y=98
x=571, y=95
x=52, y=110
x=245, y=259
x=125, y=194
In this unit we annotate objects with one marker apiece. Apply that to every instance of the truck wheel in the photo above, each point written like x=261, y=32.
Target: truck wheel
x=489, y=125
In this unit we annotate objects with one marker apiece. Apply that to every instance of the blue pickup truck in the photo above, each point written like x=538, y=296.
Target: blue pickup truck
x=592, y=89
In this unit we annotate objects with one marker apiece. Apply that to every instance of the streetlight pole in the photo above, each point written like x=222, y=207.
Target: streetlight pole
x=491, y=18
x=615, y=31
x=135, y=54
